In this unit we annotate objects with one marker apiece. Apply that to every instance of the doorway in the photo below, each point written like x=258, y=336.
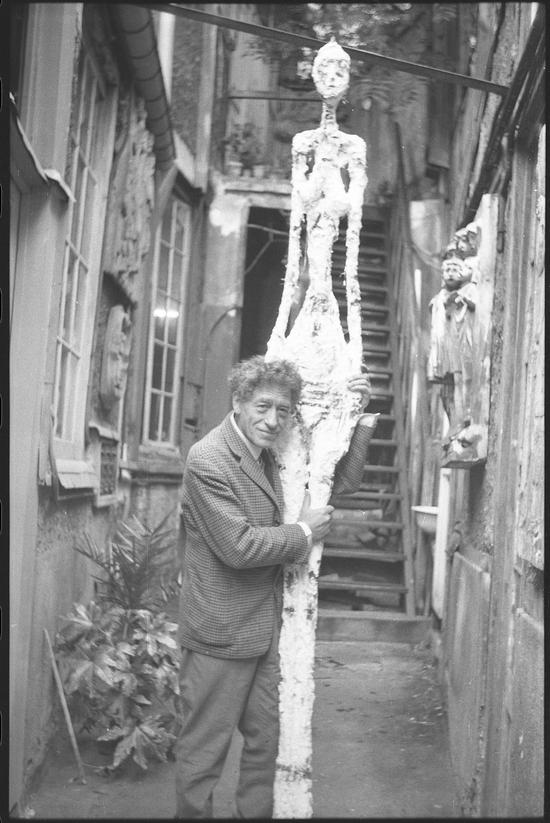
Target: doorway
x=265, y=261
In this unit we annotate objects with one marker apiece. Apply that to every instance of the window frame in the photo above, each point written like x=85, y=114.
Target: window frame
x=69, y=443
x=172, y=443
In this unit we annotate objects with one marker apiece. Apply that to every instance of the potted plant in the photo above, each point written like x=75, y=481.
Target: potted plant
x=118, y=657
x=250, y=147
x=259, y=170
x=232, y=151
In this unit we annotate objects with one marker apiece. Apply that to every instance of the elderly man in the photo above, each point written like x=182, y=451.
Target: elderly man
x=231, y=599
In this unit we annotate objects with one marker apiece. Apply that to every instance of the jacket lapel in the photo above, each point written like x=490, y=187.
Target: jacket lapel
x=251, y=467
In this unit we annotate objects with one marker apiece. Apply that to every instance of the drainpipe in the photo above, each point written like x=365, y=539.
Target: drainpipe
x=135, y=28
x=166, y=49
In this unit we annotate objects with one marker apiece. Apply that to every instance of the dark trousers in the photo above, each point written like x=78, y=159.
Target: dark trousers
x=219, y=696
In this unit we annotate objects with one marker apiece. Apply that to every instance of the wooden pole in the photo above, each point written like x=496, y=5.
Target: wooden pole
x=63, y=699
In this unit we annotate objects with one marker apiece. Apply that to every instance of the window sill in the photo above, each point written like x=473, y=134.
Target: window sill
x=31, y=174
x=75, y=478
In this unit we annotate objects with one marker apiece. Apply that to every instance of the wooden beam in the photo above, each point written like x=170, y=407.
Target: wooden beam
x=312, y=42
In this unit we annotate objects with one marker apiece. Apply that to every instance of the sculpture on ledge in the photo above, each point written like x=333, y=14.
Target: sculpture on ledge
x=454, y=347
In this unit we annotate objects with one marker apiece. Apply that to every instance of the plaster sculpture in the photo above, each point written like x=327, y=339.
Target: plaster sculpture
x=116, y=356
x=452, y=345
x=328, y=182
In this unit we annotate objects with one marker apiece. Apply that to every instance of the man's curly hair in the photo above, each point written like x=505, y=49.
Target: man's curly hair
x=245, y=377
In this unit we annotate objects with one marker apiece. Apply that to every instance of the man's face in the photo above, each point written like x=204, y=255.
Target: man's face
x=263, y=416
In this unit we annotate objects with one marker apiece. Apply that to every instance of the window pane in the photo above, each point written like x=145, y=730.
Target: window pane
x=177, y=269
x=69, y=281
x=62, y=392
x=154, y=417
x=178, y=240
x=91, y=186
x=77, y=208
x=88, y=113
x=156, y=377
x=163, y=264
x=80, y=306
x=173, y=321
x=170, y=366
x=160, y=319
x=166, y=419
x=64, y=415
x=167, y=225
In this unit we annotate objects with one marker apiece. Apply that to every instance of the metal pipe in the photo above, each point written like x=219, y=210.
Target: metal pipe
x=134, y=25
x=270, y=95
x=312, y=42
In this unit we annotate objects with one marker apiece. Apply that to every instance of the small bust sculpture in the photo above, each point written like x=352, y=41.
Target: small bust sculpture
x=450, y=360
x=116, y=355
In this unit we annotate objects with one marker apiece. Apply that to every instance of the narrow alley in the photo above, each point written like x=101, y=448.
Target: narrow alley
x=198, y=191
x=380, y=749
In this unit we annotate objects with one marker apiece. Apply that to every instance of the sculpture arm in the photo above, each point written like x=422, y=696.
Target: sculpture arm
x=292, y=272
x=350, y=468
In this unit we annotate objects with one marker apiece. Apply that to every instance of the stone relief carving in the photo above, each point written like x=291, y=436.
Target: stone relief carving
x=115, y=358
x=131, y=196
x=458, y=359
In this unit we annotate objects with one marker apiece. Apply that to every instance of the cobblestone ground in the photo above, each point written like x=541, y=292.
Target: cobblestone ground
x=380, y=749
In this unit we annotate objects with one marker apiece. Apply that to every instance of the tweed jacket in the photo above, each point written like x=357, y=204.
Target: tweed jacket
x=235, y=545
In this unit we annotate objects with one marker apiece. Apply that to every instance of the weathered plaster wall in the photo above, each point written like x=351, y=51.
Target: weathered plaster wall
x=466, y=650
x=525, y=705
x=61, y=578
x=186, y=75
x=151, y=502
x=494, y=620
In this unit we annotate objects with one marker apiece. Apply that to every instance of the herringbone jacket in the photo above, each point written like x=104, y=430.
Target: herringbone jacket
x=235, y=544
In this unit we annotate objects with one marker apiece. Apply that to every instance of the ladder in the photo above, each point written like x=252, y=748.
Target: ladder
x=367, y=559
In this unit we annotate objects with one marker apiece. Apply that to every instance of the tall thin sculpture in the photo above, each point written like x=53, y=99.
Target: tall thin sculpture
x=328, y=183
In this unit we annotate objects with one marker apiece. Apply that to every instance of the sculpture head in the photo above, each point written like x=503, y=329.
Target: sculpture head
x=467, y=240
x=454, y=270
x=331, y=72
x=116, y=356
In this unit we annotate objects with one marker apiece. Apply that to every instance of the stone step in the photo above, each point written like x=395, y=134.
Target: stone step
x=384, y=469
x=348, y=519
x=348, y=584
x=336, y=551
x=371, y=625
x=369, y=346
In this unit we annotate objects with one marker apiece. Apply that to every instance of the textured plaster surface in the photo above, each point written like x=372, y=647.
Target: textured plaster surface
x=61, y=577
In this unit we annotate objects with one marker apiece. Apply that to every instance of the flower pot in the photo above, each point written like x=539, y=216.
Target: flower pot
x=426, y=518
x=259, y=170
x=233, y=168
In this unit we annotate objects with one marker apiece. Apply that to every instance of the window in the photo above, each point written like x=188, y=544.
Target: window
x=166, y=324
x=90, y=152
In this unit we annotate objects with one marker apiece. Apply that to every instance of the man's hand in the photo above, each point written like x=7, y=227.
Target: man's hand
x=318, y=520
x=361, y=384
